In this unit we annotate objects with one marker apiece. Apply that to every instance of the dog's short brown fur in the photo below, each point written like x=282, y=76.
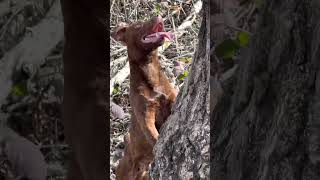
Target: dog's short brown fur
x=151, y=98
x=84, y=107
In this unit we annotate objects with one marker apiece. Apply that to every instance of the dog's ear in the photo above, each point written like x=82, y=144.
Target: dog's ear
x=119, y=33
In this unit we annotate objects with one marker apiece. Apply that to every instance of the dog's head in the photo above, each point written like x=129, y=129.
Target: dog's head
x=142, y=37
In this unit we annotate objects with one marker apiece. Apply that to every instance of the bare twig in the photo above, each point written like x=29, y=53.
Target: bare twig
x=5, y=27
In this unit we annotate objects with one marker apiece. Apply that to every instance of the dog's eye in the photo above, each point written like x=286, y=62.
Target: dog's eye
x=138, y=26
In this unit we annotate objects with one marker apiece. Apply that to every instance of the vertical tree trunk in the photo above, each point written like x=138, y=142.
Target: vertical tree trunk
x=267, y=126
x=182, y=151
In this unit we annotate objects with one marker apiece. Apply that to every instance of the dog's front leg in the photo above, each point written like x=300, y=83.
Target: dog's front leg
x=148, y=121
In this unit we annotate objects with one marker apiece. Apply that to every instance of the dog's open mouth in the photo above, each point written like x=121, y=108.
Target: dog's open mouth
x=157, y=34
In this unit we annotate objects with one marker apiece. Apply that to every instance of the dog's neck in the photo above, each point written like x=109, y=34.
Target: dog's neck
x=145, y=69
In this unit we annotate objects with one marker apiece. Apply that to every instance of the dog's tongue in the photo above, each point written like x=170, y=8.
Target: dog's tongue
x=157, y=36
x=167, y=35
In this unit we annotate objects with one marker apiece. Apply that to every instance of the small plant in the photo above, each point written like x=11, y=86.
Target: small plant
x=229, y=47
x=116, y=89
x=182, y=76
x=19, y=89
x=157, y=10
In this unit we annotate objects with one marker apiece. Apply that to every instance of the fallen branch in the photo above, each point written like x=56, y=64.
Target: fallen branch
x=32, y=49
x=124, y=72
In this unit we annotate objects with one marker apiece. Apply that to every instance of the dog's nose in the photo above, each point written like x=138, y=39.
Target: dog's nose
x=158, y=19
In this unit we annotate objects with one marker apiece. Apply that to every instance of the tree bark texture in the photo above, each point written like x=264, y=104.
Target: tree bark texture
x=182, y=150
x=267, y=125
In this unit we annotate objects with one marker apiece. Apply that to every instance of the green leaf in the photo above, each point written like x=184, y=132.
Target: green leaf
x=186, y=59
x=243, y=39
x=227, y=49
x=116, y=89
x=157, y=9
x=182, y=76
x=19, y=89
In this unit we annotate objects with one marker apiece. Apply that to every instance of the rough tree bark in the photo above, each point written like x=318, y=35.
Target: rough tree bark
x=267, y=125
x=182, y=151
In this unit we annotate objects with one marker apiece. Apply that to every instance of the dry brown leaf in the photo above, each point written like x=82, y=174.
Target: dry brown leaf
x=117, y=111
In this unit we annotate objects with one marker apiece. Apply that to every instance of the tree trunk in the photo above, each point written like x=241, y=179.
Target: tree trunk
x=182, y=151
x=267, y=125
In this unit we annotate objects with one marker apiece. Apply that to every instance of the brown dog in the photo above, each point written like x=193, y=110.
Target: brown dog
x=151, y=95
x=84, y=106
